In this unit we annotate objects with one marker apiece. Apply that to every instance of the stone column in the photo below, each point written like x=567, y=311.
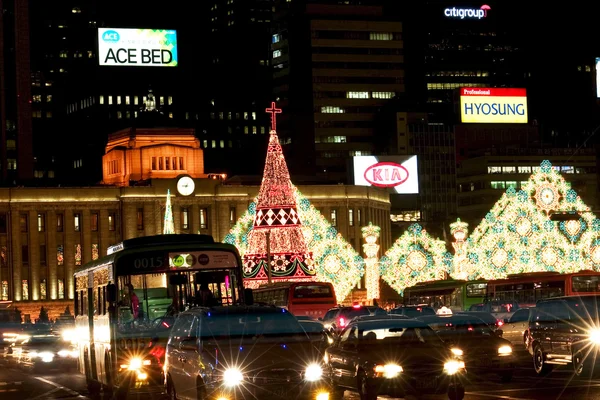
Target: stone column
x=149, y=220
x=104, y=235
x=86, y=236
x=159, y=216
x=129, y=219
x=34, y=255
x=176, y=216
x=52, y=280
x=71, y=239
x=194, y=218
x=17, y=264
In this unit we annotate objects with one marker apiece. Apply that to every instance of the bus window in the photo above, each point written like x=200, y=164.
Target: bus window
x=476, y=289
x=312, y=291
x=586, y=284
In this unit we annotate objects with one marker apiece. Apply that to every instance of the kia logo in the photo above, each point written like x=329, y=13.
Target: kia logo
x=386, y=174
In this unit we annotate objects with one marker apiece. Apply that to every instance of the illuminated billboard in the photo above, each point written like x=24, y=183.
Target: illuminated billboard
x=493, y=105
x=137, y=47
x=396, y=173
x=597, y=76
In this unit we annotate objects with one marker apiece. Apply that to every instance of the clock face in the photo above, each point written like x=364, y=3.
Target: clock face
x=185, y=186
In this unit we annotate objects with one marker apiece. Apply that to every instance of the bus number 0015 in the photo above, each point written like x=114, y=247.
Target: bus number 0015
x=148, y=263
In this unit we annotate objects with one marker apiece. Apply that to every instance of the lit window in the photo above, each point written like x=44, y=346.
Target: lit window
x=48, y=98
x=213, y=144
x=127, y=100
x=334, y=217
x=524, y=170
x=135, y=100
x=276, y=38
x=254, y=130
x=276, y=53
x=185, y=223
x=110, y=100
x=357, y=95
x=332, y=110
x=76, y=10
x=381, y=36
x=253, y=116
x=203, y=218
x=262, y=129
x=382, y=95
x=246, y=131
x=161, y=100
x=351, y=217
x=170, y=115
x=222, y=144
x=118, y=99
x=509, y=170
x=170, y=100
x=494, y=170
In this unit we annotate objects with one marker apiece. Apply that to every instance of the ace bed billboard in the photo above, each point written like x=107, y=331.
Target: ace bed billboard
x=137, y=47
x=396, y=173
x=493, y=105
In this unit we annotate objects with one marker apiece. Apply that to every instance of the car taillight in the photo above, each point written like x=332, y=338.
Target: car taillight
x=356, y=306
x=342, y=322
x=499, y=323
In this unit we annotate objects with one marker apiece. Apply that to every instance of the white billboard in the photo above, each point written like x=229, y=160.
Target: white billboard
x=137, y=47
x=397, y=173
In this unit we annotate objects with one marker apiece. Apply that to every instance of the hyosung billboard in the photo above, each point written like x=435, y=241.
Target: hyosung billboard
x=493, y=105
x=137, y=47
x=396, y=173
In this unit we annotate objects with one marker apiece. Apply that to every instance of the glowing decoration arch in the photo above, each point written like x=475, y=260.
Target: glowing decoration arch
x=335, y=260
x=415, y=257
x=517, y=235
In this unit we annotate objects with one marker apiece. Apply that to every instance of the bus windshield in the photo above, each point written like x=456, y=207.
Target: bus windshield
x=586, y=284
x=144, y=298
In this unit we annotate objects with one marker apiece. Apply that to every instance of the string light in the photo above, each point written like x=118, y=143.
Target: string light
x=371, y=233
x=415, y=257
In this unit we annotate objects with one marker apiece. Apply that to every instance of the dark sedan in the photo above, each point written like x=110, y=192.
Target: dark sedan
x=393, y=356
x=483, y=350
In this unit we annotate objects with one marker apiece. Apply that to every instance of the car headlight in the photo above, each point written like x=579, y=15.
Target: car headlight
x=388, y=371
x=313, y=373
x=232, y=377
x=595, y=336
x=68, y=353
x=503, y=350
x=453, y=366
x=456, y=352
x=46, y=356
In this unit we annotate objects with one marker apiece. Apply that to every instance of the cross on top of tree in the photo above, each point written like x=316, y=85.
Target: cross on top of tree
x=273, y=111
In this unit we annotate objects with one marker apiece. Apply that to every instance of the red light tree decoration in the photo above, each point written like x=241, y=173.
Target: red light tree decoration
x=277, y=222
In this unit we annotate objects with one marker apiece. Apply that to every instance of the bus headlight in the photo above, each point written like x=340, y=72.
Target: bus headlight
x=313, y=372
x=453, y=366
x=504, y=350
x=595, y=336
x=232, y=377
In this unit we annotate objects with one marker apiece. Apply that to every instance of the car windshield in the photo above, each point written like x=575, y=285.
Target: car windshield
x=251, y=324
x=398, y=336
x=350, y=313
x=471, y=327
x=41, y=341
x=584, y=307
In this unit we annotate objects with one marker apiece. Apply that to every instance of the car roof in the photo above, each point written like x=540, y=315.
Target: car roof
x=389, y=323
x=224, y=310
x=453, y=318
x=378, y=317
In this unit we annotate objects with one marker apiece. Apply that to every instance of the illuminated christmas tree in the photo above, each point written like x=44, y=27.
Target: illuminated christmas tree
x=277, y=229
x=169, y=226
x=333, y=258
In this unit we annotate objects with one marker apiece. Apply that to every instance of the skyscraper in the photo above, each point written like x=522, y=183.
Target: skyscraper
x=16, y=155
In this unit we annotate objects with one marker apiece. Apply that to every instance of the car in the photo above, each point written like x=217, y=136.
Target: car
x=564, y=331
x=482, y=349
x=44, y=352
x=516, y=328
x=337, y=318
x=493, y=322
x=393, y=356
x=238, y=352
x=378, y=317
x=413, y=311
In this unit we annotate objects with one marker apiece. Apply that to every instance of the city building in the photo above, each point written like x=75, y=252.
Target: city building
x=334, y=66
x=16, y=154
x=45, y=233
x=482, y=180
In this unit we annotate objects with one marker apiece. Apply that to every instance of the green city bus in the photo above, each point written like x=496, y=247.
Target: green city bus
x=126, y=303
x=457, y=295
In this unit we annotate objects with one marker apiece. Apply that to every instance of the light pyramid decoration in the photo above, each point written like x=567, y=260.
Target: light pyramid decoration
x=303, y=245
x=415, y=257
x=168, y=226
x=517, y=234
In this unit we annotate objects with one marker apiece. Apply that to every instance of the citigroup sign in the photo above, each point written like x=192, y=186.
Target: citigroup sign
x=398, y=174
x=469, y=13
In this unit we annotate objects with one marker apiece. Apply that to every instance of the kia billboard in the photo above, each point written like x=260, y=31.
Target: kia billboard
x=137, y=47
x=396, y=173
x=493, y=105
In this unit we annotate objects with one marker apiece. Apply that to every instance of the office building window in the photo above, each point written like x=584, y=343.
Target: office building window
x=77, y=222
x=61, y=289
x=94, y=222
x=25, y=254
x=232, y=216
x=357, y=95
x=334, y=217
x=25, y=289
x=43, y=289
x=95, y=253
x=153, y=167
x=78, y=254
x=60, y=255
x=185, y=224
x=381, y=36
x=276, y=53
x=111, y=222
x=59, y=222
x=203, y=218
x=351, y=217
x=140, y=219
x=41, y=221
x=4, y=292
x=359, y=216
x=382, y=95
x=42, y=254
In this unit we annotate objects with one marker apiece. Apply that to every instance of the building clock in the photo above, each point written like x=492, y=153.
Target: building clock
x=185, y=186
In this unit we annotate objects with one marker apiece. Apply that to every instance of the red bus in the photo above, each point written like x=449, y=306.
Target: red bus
x=311, y=299
x=525, y=289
